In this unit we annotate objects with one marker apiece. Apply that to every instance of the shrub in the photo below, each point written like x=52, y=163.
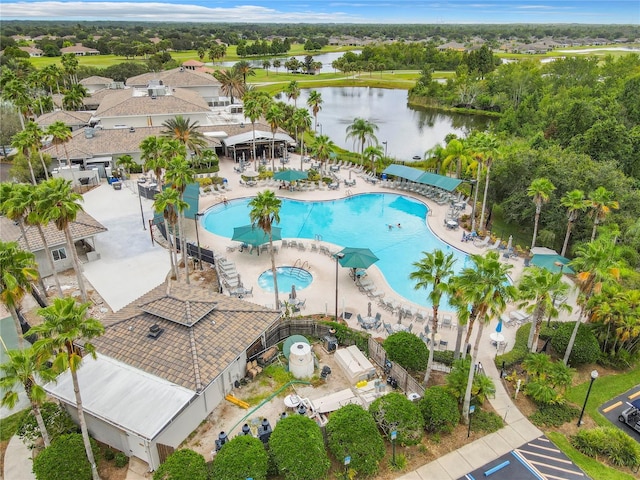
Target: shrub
x=617, y=446
x=242, y=457
x=121, y=460
x=298, y=449
x=554, y=415
x=348, y=336
x=519, y=350
x=586, y=348
x=457, y=380
x=396, y=412
x=483, y=421
x=182, y=465
x=56, y=419
x=352, y=431
x=439, y=410
x=407, y=350
x=109, y=454
x=65, y=458
x=443, y=356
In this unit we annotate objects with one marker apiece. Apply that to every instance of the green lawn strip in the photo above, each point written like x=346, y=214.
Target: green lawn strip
x=604, y=389
x=592, y=467
x=9, y=425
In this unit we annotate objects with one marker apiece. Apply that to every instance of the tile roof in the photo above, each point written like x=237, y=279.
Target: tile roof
x=190, y=356
x=126, y=102
x=85, y=226
x=67, y=117
x=96, y=80
x=175, y=78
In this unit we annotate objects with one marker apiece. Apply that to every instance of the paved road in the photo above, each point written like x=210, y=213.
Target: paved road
x=614, y=407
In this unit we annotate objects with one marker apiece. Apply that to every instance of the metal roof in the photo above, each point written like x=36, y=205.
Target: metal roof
x=261, y=136
x=419, y=176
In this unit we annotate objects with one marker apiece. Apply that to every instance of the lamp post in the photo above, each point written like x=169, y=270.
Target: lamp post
x=320, y=125
x=594, y=375
x=555, y=294
x=144, y=227
x=385, y=148
x=195, y=218
x=338, y=256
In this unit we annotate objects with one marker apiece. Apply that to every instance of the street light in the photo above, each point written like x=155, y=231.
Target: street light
x=195, y=218
x=594, y=375
x=555, y=294
x=338, y=256
x=141, y=209
x=320, y=125
x=385, y=148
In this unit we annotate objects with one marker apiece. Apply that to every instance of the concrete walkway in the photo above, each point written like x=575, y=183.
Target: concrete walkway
x=17, y=461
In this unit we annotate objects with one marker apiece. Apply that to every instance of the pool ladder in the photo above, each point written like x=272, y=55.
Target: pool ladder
x=301, y=265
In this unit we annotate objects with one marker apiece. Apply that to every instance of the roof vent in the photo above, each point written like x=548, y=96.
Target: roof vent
x=89, y=132
x=155, y=331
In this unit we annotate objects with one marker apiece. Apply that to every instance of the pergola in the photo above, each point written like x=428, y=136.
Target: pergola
x=243, y=142
x=420, y=176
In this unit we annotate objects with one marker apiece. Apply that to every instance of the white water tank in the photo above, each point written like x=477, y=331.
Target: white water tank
x=300, y=360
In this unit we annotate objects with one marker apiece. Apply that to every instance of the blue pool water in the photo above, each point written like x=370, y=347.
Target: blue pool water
x=287, y=276
x=356, y=221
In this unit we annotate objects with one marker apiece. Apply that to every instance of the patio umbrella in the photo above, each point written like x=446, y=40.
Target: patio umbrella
x=255, y=235
x=369, y=310
x=510, y=243
x=357, y=257
x=293, y=291
x=250, y=174
x=290, y=175
x=549, y=262
x=499, y=326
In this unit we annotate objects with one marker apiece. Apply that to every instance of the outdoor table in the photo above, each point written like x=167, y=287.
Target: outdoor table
x=496, y=338
x=333, y=186
x=369, y=322
x=460, y=205
x=334, y=168
x=452, y=224
x=291, y=401
x=399, y=327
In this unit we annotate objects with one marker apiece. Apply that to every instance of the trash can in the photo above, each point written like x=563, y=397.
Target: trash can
x=383, y=176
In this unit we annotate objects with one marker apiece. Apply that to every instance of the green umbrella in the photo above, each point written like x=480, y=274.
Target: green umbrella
x=290, y=175
x=255, y=235
x=356, y=257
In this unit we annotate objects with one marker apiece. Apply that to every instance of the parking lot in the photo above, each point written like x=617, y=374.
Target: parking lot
x=614, y=408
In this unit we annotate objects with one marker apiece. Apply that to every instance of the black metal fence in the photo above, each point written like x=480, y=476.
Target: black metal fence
x=405, y=381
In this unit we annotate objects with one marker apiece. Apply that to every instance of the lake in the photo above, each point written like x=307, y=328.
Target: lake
x=325, y=58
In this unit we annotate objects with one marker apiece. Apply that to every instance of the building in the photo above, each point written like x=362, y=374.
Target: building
x=165, y=362
x=73, y=120
x=96, y=83
x=79, y=50
x=32, y=51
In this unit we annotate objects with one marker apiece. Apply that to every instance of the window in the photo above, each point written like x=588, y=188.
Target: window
x=59, y=254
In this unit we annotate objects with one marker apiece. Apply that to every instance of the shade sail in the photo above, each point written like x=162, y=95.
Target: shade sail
x=255, y=235
x=357, y=257
x=290, y=175
x=549, y=262
x=420, y=176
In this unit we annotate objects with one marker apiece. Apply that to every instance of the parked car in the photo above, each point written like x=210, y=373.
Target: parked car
x=631, y=415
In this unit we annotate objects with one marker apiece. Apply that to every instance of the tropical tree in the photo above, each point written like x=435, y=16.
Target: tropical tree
x=245, y=69
x=63, y=205
x=265, y=211
x=487, y=288
x=152, y=157
x=36, y=135
x=186, y=132
x=74, y=97
x=17, y=270
x=301, y=123
x=266, y=65
x=231, y=82
x=60, y=135
x=292, y=91
x=488, y=147
x=619, y=310
x=461, y=306
x=255, y=106
x=274, y=117
x=540, y=191
x=575, y=203
x=66, y=322
x=314, y=102
x=127, y=162
x=15, y=92
x=434, y=273
x=538, y=287
x=322, y=148
x=22, y=141
x=167, y=202
x=601, y=203
x=70, y=66
x=362, y=131
x=458, y=154
x=24, y=368
x=374, y=156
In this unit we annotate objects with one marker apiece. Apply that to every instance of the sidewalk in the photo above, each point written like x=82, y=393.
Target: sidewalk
x=17, y=461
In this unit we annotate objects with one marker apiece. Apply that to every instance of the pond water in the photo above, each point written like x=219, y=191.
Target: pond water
x=325, y=58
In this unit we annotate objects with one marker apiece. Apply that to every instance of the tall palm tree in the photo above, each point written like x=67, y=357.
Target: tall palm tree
x=70, y=66
x=36, y=135
x=362, y=131
x=293, y=92
x=231, y=82
x=151, y=148
x=126, y=162
x=540, y=191
x=274, y=117
x=314, y=102
x=538, y=287
x=487, y=289
x=265, y=211
x=66, y=322
x=255, y=106
x=179, y=175
x=596, y=262
x=245, y=69
x=186, y=132
x=74, y=98
x=434, y=272
x=23, y=142
x=619, y=310
x=601, y=203
x=302, y=123
x=322, y=148
x=374, y=155
x=575, y=203
x=15, y=91
x=61, y=135
x=24, y=368
x=488, y=146
x=457, y=153
x=167, y=202
x=17, y=270
x=461, y=306
x=63, y=205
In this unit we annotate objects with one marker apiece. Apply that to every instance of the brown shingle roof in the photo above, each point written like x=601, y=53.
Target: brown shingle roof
x=126, y=102
x=190, y=356
x=175, y=78
x=96, y=80
x=64, y=116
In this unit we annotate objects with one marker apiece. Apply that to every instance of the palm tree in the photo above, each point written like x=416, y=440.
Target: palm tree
x=24, y=368
x=180, y=174
x=127, y=162
x=255, y=105
x=487, y=145
x=314, y=102
x=456, y=151
x=17, y=270
x=266, y=65
x=66, y=322
x=619, y=309
x=274, y=116
x=302, y=123
x=539, y=287
x=74, y=98
x=245, y=69
x=596, y=262
x=167, y=202
x=601, y=203
x=433, y=272
x=374, y=156
x=322, y=148
x=186, y=132
x=575, y=203
x=36, y=134
x=362, y=131
x=23, y=142
x=486, y=287
x=152, y=157
x=540, y=191
x=63, y=205
x=70, y=66
x=265, y=211
x=231, y=83
x=458, y=302
x=15, y=91
x=293, y=92
x=61, y=134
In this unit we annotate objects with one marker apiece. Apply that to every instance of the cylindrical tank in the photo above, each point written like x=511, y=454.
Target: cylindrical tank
x=300, y=360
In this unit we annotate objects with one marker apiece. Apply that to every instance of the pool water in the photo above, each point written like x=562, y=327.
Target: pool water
x=356, y=221
x=287, y=277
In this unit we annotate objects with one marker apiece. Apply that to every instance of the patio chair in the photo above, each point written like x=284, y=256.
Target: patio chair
x=443, y=344
x=388, y=329
x=420, y=316
x=248, y=293
x=360, y=321
x=482, y=243
x=446, y=321
x=496, y=245
x=378, y=317
x=410, y=327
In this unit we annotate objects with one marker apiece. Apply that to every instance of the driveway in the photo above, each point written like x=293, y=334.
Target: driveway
x=614, y=407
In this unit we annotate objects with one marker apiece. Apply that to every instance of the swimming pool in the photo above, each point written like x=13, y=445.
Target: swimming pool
x=287, y=277
x=356, y=221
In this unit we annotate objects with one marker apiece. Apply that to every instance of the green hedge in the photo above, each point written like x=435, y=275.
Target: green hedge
x=483, y=421
x=554, y=415
x=586, y=348
x=407, y=350
x=242, y=457
x=183, y=464
x=618, y=447
x=65, y=458
x=439, y=409
x=396, y=412
x=519, y=351
x=443, y=356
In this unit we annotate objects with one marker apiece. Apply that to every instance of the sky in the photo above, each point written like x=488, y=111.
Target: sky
x=330, y=11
